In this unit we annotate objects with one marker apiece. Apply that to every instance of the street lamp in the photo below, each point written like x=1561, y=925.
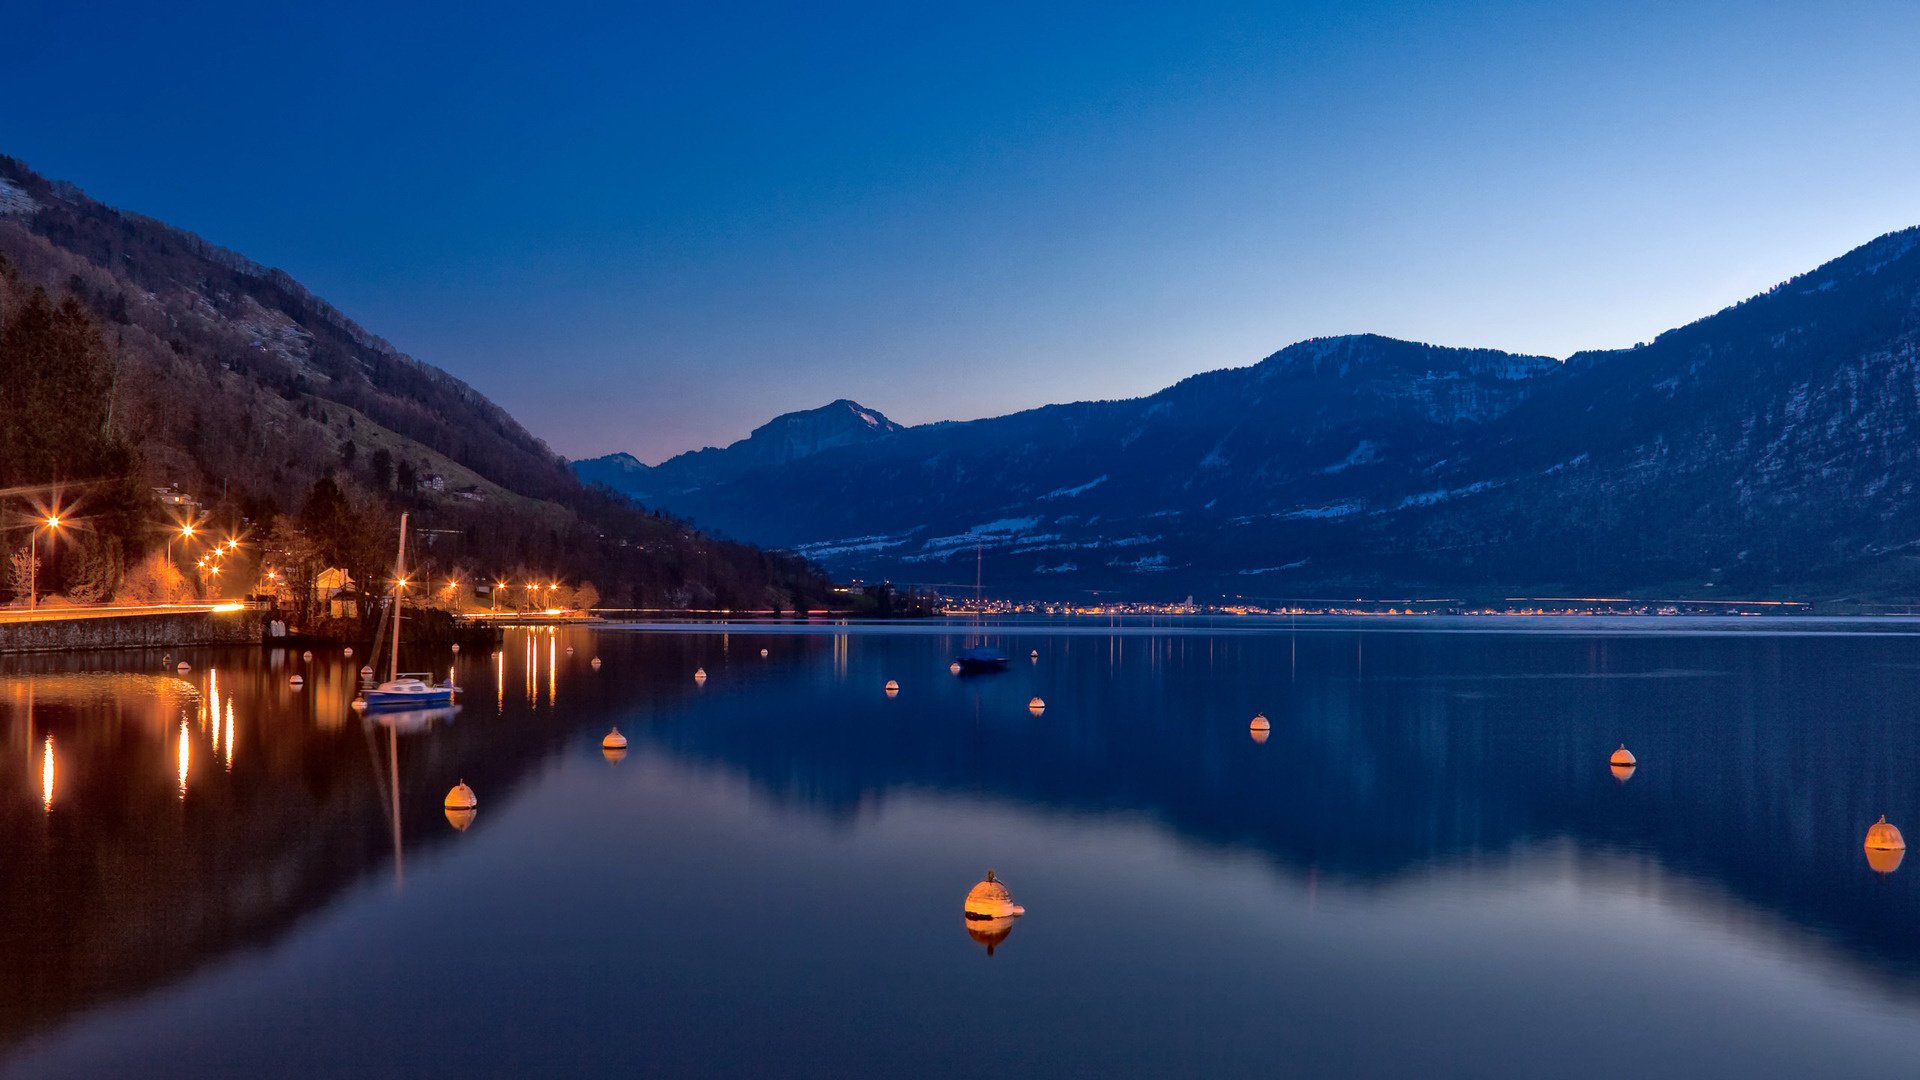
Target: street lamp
x=52, y=523
x=184, y=532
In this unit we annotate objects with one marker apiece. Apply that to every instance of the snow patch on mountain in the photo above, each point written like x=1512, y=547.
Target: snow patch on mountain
x=1336, y=510
x=827, y=549
x=1070, y=492
x=15, y=200
x=1295, y=565
x=1429, y=498
x=1366, y=451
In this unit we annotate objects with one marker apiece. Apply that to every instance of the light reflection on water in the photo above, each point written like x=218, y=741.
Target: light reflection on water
x=1427, y=864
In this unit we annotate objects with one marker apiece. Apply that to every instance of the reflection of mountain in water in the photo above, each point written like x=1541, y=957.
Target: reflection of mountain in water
x=126, y=884
x=1762, y=759
x=1762, y=762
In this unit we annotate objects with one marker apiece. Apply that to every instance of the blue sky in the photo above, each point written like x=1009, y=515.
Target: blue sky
x=652, y=228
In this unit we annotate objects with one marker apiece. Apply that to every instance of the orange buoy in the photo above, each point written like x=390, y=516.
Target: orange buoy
x=954, y=667
x=1623, y=756
x=347, y=652
x=1260, y=723
x=991, y=900
x=462, y=798
x=296, y=682
x=1036, y=706
x=614, y=741
x=1884, y=837
x=699, y=674
x=1886, y=848
x=594, y=663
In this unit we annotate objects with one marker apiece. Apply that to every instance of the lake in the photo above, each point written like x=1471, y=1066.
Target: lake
x=1426, y=868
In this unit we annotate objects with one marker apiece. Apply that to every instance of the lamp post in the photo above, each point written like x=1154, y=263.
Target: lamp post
x=184, y=532
x=52, y=523
x=498, y=588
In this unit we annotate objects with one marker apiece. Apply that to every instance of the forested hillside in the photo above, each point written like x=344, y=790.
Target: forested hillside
x=139, y=357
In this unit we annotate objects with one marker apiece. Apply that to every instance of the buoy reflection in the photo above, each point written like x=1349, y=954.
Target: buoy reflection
x=990, y=932
x=46, y=774
x=1622, y=773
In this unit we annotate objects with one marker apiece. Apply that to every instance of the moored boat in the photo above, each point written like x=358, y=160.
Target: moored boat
x=982, y=658
x=410, y=690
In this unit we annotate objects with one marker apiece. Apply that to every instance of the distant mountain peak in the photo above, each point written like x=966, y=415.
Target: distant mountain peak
x=782, y=440
x=840, y=411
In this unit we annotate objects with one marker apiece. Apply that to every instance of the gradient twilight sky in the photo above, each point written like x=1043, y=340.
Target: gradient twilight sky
x=652, y=228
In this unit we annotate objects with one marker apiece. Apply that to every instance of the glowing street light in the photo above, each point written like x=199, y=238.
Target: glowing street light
x=52, y=524
x=184, y=532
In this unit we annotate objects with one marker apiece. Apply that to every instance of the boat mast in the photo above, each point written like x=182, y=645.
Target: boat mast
x=399, y=582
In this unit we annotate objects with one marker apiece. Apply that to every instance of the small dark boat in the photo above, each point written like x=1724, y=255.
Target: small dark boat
x=982, y=658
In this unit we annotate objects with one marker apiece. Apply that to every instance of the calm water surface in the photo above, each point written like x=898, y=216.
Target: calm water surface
x=1427, y=869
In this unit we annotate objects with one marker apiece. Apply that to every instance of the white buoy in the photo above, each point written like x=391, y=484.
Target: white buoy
x=367, y=672
x=569, y=650
x=308, y=655
x=462, y=797
x=296, y=682
x=1036, y=706
x=763, y=652
x=347, y=652
x=456, y=649
x=596, y=662
x=699, y=674
x=892, y=688
x=1034, y=655
x=184, y=667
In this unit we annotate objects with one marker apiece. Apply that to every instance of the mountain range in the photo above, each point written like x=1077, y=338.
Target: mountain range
x=1771, y=447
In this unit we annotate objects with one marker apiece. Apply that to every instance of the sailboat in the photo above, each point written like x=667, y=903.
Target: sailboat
x=404, y=690
x=983, y=657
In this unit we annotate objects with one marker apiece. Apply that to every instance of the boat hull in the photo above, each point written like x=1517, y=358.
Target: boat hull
x=391, y=699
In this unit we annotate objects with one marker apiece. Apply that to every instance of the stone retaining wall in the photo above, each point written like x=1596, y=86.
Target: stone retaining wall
x=134, y=632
